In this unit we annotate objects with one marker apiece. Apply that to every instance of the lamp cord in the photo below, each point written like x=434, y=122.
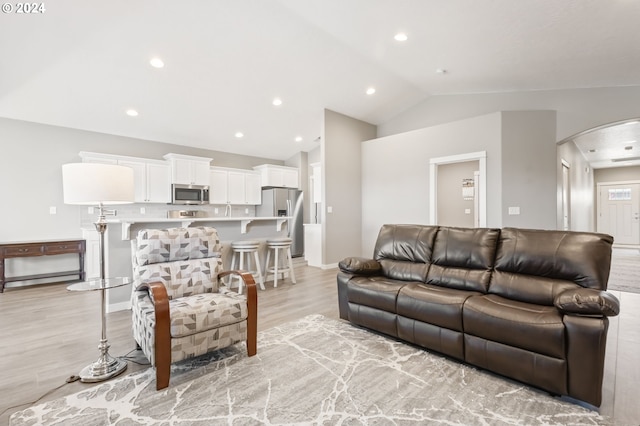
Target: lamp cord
x=70, y=379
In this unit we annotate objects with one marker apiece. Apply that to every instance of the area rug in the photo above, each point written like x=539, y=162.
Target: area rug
x=314, y=371
x=625, y=273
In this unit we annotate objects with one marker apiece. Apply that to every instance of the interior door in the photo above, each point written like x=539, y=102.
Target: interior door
x=619, y=211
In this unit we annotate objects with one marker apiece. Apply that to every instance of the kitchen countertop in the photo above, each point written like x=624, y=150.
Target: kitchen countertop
x=187, y=221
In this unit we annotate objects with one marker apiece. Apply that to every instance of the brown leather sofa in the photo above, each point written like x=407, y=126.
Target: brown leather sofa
x=527, y=304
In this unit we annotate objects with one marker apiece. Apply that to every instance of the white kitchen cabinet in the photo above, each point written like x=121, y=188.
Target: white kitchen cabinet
x=278, y=176
x=189, y=170
x=234, y=186
x=152, y=181
x=158, y=183
x=253, y=188
x=218, y=193
x=151, y=178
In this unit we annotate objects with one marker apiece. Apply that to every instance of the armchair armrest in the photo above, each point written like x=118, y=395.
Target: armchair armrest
x=252, y=308
x=360, y=266
x=587, y=301
x=162, y=347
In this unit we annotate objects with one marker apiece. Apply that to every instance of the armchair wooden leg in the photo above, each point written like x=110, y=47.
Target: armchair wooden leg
x=252, y=319
x=162, y=347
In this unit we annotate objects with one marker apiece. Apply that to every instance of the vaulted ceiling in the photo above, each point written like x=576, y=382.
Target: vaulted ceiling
x=84, y=64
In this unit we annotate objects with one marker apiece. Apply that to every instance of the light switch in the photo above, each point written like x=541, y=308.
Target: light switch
x=467, y=211
x=52, y=210
x=514, y=210
x=329, y=209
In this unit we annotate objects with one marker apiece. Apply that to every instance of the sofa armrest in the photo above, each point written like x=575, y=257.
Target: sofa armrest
x=587, y=301
x=360, y=266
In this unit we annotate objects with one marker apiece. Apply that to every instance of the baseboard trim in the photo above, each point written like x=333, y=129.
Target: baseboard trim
x=122, y=306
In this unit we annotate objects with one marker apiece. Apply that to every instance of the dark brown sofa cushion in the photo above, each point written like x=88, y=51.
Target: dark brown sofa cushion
x=523, y=325
x=360, y=266
x=463, y=258
x=404, y=251
x=535, y=266
x=587, y=301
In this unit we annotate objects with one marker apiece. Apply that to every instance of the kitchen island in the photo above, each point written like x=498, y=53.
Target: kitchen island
x=121, y=232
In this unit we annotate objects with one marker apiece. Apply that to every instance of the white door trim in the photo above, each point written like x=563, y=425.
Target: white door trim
x=481, y=157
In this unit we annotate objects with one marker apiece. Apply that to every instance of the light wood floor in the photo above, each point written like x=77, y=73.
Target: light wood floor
x=48, y=334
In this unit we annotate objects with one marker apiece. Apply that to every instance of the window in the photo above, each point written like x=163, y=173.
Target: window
x=619, y=194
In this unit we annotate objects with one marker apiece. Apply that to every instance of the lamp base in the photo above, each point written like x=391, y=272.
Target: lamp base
x=104, y=368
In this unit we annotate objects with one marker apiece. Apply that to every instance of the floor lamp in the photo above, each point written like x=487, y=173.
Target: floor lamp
x=98, y=185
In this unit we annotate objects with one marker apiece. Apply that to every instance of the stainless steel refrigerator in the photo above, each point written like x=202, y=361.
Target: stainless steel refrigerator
x=285, y=202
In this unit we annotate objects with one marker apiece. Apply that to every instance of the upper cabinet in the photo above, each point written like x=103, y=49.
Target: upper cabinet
x=278, y=176
x=189, y=170
x=151, y=178
x=234, y=186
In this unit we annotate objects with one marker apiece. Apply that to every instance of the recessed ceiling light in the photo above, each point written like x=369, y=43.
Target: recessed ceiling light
x=277, y=102
x=298, y=138
x=441, y=71
x=156, y=63
x=132, y=113
x=239, y=135
x=400, y=37
x=371, y=90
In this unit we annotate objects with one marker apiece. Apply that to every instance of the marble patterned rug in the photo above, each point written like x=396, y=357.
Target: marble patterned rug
x=314, y=371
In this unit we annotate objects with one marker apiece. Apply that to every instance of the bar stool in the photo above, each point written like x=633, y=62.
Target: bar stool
x=281, y=265
x=239, y=250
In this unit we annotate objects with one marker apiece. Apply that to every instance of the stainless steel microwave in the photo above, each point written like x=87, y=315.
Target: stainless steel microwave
x=189, y=194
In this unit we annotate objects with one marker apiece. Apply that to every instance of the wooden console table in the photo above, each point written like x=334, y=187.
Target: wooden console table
x=41, y=248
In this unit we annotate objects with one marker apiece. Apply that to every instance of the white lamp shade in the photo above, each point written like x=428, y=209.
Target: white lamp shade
x=93, y=183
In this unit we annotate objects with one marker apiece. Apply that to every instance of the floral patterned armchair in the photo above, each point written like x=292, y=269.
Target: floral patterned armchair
x=180, y=307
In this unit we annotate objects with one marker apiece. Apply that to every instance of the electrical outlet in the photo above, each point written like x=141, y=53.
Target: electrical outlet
x=143, y=210
x=52, y=210
x=514, y=210
x=467, y=211
x=246, y=211
x=90, y=210
x=329, y=209
x=215, y=211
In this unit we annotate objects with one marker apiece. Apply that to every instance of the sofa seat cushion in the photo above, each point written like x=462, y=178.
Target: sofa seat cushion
x=433, y=304
x=377, y=292
x=527, y=326
x=205, y=311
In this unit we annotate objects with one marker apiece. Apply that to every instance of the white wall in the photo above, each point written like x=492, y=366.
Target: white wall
x=577, y=109
x=528, y=169
x=341, y=187
x=521, y=157
x=395, y=172
x=581, y=178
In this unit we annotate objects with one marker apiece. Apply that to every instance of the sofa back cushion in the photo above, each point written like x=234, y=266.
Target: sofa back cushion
x=535, y=265
x=404, y=251
x=463, y=258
